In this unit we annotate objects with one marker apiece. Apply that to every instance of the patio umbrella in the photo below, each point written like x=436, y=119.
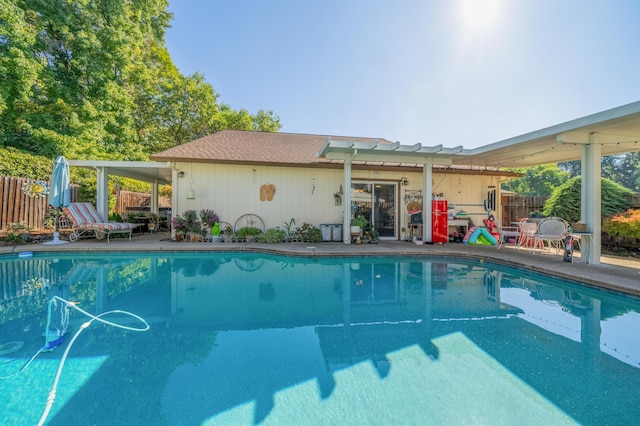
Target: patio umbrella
x=59, y=193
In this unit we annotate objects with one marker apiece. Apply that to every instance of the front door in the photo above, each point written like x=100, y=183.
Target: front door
x=377, y=202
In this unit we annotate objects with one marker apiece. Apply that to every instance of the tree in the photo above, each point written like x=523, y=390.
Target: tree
x=621, y=168
x=538, y=180
x=93, y=79
x=565, y=200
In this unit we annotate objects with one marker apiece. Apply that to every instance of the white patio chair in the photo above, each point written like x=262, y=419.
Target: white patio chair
x=507, y=232
x=553, y=230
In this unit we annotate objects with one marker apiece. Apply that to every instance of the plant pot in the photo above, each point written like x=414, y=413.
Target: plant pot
x=216, y=239
x=179, y=237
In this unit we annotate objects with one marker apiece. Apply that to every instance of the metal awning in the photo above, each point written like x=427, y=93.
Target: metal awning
x=146, y=171
x=615, y=131
x=387, y=152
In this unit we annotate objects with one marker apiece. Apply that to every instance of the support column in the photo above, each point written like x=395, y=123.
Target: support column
x=346, y=202
x=427, y=197
x=591, y=197
x=154, y=198
x=102, y=192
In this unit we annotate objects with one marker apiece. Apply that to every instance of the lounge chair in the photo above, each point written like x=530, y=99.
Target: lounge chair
x=86, y=220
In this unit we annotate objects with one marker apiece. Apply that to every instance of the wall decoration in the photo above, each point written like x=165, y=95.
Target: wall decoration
x=267, y=191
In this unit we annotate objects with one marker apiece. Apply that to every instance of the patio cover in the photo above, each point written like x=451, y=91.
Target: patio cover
x=145, y=171
x=609, y=132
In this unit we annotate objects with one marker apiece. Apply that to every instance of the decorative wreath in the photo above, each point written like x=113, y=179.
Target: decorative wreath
x=36, y=188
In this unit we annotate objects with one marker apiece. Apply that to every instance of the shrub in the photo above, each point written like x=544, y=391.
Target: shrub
x=626, y=224
x=209, y=218
x=309, y=233
x=565, y=201
x=272, y=236
x=248, y=231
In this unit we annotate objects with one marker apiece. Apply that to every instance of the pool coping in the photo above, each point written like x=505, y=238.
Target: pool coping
x=617, y=274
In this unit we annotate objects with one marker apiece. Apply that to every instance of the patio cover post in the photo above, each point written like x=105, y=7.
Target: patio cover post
x=591, y=208
x=154, y=208
x=427, y=206
x=346, y=220
x=102, y=191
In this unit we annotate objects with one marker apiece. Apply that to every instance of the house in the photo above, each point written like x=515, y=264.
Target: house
x=302, y=172
x=284, y=176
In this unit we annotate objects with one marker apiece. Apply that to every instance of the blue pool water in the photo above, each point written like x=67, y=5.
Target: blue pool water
x=247, y=339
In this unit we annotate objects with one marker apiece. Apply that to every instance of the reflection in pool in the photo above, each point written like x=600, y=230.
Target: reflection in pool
x=247, y=339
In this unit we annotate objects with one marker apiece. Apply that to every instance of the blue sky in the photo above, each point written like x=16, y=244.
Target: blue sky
x=451, y=72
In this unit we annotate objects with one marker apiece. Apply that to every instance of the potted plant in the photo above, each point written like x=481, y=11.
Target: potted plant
x=192, y=224
x=227, y=234
x=289, y=231
x=248, y=233
x=358, y=224
x=179, y=227
x=215, y=233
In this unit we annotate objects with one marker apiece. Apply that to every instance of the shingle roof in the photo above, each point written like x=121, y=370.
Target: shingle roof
x=247, y=147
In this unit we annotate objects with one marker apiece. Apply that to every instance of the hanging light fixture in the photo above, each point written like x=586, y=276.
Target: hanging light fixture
x=191, y=193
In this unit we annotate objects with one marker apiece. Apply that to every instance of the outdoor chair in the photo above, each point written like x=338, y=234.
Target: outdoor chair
x=527, y=238
x=86, y=220
x=553, y=231
x=506, y=233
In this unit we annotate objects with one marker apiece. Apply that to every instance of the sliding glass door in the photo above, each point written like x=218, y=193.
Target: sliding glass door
x=377, y=202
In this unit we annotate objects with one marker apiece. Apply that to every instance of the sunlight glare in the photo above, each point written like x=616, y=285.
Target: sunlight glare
x=479, y=15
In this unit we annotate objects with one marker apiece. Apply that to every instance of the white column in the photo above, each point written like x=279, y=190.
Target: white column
x=346, y=201
x=427, y=207
x=154, y=198
x=591, y=206
x=102, y=192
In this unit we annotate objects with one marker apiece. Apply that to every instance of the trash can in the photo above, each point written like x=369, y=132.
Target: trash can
x=325, y=230
x=336, y=231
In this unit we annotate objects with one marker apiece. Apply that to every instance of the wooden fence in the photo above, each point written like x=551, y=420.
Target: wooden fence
x=127, y=199
x=18, y=207
x=515, y=206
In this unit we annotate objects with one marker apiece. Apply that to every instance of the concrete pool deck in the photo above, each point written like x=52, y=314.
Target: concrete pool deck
x=615, y=273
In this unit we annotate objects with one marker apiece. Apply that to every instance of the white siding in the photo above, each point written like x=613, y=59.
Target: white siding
x=306, y=194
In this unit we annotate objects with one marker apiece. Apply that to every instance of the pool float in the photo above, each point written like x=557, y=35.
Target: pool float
x=480, y=236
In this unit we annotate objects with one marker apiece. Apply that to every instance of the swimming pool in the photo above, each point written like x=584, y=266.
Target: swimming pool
x=240, y=338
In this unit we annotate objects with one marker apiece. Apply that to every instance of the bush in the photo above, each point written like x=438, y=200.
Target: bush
x=625, y=225
x=247, y=232
x=565, y=200
x=309, y=233
x=272, y=236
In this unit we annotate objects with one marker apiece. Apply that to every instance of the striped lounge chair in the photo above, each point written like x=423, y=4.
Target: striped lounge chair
x=86, y=220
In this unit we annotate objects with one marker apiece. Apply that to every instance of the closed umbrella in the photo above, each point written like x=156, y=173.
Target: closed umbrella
x=59, y=194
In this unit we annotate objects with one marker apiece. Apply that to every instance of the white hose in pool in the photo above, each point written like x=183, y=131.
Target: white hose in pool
x=48, y=346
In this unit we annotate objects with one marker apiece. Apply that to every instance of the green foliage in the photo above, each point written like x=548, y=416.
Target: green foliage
x=538, y=180
x=248, y=231
x=16, y=233
x=272, y=236
x=94, y=80
x=565, y=200
x=17, y=163
x=309, y=233
x=360, y=221
x=208, y=218
x=626, y=224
